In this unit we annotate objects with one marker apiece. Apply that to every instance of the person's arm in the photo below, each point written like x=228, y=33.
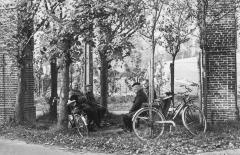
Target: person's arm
x=136, y=104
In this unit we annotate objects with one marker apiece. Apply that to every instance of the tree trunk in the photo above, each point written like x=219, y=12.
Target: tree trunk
x=25, y=95
x=19, y=106
x=54, y=77
x=202, y=12
x=172, y=65
x=200, y=80
x=151, y=80
x=104, y=80
x=90, y=63
x=63, y=117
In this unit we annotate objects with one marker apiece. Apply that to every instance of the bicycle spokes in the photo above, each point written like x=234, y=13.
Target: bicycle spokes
x=146, y=126
x=194, y=120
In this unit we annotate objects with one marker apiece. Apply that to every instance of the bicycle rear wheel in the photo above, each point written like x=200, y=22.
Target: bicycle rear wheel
x=81, y=125
x=194, y=120
x=146, y=128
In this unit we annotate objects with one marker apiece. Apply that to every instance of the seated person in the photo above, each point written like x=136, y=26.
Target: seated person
x=82, y=104
x=74, y=94
x=140, y=98
x=91, y=101
x=146, y=88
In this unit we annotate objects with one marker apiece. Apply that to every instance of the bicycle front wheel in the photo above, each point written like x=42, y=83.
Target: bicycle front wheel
x=194, y=120
x=146, y=127
x=81, y=125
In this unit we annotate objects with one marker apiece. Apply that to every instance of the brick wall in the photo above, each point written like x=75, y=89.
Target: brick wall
x=221, y=65
x=8, y=69
x=8, y=87
x=8, y=76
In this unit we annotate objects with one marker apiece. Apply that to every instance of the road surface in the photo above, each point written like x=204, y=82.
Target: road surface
x=16, y=147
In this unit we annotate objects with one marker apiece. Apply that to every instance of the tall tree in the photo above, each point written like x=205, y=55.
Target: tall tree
x=115, y=23
x=176, y=30
x=69, y=23
x=150, y=31
x=25, y=32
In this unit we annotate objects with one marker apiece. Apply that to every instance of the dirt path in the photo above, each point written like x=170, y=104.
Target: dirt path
x=16, y=147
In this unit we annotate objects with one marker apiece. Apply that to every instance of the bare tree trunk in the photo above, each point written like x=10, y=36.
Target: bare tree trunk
x=200, y=80
x=90, y=63
x=63, y=117
x=172, y=70
x=25, y=30
x=151, y=84
x=202, y=12
x=54, y=77
x=104, y=80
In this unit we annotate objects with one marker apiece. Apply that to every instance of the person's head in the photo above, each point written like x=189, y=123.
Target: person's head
x=89, y=88
x=146, y=83
x=75, y=85
x=136, y=87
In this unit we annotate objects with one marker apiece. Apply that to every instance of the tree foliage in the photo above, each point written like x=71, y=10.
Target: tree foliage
x=177, y=27
x=115, y=24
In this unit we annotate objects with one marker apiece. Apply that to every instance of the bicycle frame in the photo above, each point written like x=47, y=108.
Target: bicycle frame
x=176, y=112
x=150, y=116
x=72, y=103
x=179, y=108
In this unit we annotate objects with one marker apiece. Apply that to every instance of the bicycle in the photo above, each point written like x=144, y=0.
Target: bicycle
x=150, y=122
x=77, y=119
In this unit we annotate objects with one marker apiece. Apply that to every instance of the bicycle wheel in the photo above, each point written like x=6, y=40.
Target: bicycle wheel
x=194, y=120
x=81, y=125
x=144, y=127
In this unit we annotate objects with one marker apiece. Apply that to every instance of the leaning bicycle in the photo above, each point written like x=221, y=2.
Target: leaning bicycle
x=150, y=122
x=77, y=119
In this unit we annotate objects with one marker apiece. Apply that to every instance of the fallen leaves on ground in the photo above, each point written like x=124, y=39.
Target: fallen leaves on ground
x=177, y=142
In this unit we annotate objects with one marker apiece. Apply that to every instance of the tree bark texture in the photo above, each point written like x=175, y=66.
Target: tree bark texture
x=104, y=80
x=54, y=77
x=172, y=71
x=63, y=117
x=25, y=96
x=202, y=13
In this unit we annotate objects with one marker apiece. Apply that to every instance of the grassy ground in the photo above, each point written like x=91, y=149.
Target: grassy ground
x=120, y=106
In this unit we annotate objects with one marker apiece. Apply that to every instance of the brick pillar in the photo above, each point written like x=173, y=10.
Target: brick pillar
x=8, y=72
x=221, y=66
x=8, y=69
x=29, y=106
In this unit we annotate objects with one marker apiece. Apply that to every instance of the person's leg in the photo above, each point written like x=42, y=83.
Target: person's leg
x=101, y=111
x=91, y=117
x=127, y=120
x=96, y=118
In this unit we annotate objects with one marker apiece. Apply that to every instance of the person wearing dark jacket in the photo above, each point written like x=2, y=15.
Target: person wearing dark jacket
x=140, y=98
x=146, y=89
x=91, y=101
